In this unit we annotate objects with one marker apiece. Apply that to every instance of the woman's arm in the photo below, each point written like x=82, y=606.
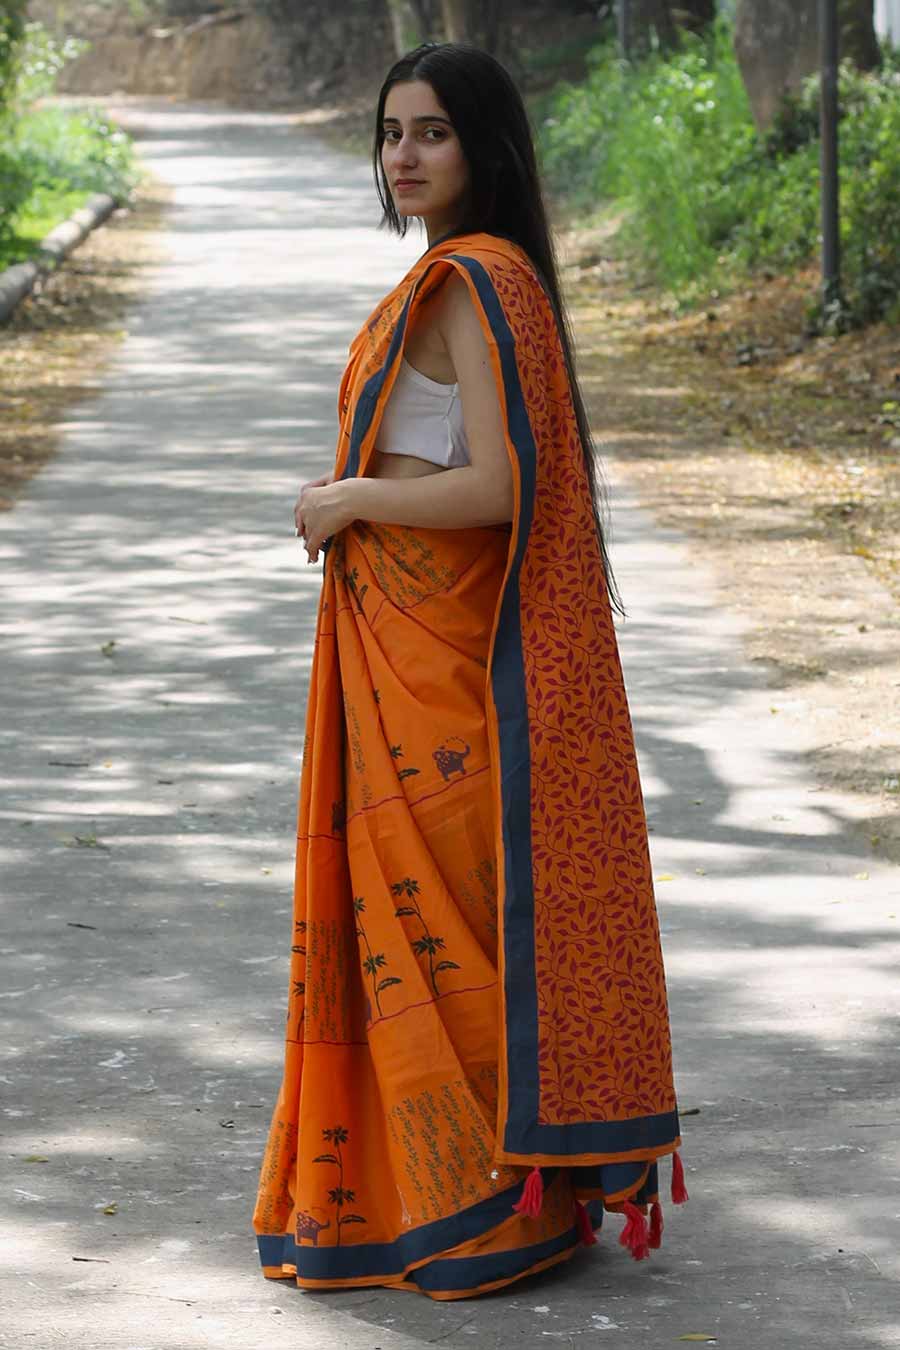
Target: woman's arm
x=479, y=493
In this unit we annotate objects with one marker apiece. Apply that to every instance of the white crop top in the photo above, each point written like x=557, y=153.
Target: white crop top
x=423, y=417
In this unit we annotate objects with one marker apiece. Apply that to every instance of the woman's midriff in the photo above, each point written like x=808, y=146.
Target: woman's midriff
x=383, y=465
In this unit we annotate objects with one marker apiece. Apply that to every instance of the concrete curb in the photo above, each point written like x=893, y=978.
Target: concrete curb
x=17, y=281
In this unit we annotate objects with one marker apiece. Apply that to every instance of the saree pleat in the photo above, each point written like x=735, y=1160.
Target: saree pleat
x=396, y=959
x=477, y=1058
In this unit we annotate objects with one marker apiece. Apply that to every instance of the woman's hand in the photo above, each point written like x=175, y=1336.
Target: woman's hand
x=323, y=509
x=325, y=479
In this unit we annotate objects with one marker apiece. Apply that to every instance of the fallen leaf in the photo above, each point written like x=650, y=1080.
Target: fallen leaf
x=111, y=1209
x=699, y=1336
x=35, y=1157
x=108, y=647
x=666, y=876
x=861, y=876
x=84, y=841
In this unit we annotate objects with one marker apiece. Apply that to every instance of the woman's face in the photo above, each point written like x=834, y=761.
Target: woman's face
x=422, y=158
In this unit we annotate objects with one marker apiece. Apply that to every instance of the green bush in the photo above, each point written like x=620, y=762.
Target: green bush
x=12, y=28
x=708, y=198
x=51, y=159
x=39, y=58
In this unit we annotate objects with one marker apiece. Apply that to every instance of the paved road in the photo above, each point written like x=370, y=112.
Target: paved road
x=147, y=823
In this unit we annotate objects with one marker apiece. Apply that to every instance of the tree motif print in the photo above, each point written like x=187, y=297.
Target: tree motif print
x=340, y=1194
x=358, y=593
x=299, y=950
x=397, y=753
x=373, y=961
x=428, y=944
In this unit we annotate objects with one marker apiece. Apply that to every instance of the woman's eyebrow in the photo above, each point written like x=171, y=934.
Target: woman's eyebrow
x=425, y=117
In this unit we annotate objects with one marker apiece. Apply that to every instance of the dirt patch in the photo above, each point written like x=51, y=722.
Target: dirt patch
x=776, y=454
x=55, y=348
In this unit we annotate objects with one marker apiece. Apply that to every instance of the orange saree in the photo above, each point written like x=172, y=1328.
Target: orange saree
x=478, y=1057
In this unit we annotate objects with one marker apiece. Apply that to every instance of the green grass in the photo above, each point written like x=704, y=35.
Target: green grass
x=44, y=210
x=51, y=161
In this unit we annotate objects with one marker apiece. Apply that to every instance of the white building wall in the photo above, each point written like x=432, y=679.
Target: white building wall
x=887, y=19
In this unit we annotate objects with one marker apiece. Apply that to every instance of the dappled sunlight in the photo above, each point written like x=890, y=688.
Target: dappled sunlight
x=794, y=989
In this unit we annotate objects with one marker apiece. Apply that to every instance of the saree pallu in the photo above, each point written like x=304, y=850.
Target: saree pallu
x=477, y=1059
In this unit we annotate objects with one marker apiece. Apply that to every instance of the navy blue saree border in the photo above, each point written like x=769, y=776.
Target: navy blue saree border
x=383, y=1260
x=524, y=1134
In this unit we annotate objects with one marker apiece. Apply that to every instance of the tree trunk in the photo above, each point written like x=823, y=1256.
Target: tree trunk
x=491, y=18
x=456, y=20
x=694, y=14
x=777, y=46
x=858, y=39
x=405, y=25
x=639, y=20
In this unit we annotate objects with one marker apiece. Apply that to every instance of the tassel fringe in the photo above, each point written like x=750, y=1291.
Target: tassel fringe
x=635, y=1235
x=532, y=1195
x=656, y=1225
x=679, y=1190
x=583, y=1224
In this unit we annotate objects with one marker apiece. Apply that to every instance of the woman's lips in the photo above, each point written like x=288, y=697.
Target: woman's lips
x=406, y=184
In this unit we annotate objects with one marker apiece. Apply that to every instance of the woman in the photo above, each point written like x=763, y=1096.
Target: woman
x=477, y=1053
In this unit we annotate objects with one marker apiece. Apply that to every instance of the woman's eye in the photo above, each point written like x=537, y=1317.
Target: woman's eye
x=393, y=135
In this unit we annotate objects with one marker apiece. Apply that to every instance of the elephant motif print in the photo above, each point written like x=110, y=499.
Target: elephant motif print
x=309, y=1227
x=450, y=760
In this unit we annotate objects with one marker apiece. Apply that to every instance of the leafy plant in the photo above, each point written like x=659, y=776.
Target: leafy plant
x=707, y=198
x=12, y=30
x=50, y=159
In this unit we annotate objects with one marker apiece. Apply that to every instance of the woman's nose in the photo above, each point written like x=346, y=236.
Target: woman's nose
x=406, y=150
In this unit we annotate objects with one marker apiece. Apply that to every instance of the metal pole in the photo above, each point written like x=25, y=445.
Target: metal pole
x=831, y=240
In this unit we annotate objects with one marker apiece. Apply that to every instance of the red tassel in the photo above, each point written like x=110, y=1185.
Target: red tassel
x=584, y=1225
x=656, y=1224
x=679, y=1190
x=532, y=1195
x=634, y=1235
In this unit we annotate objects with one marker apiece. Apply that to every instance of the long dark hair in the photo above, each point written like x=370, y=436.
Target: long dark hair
x=490, y=119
